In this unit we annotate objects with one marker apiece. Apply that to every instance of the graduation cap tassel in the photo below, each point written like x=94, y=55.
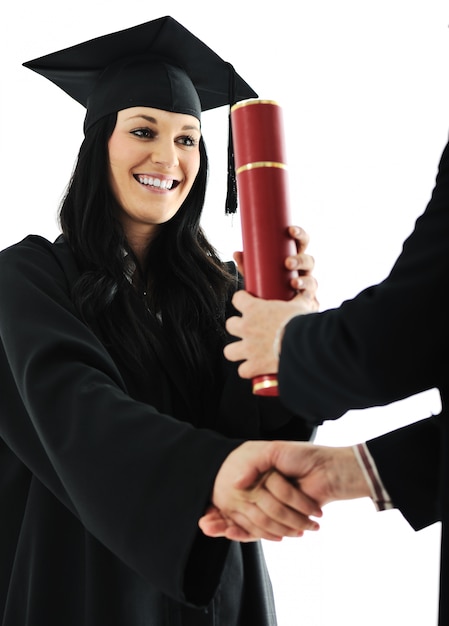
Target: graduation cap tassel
x=231, y=196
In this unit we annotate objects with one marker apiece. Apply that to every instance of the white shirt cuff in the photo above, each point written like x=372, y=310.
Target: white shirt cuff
x=379, y=494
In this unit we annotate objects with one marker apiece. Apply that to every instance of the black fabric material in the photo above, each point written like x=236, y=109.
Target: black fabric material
x=389, y=342
x=103, y=476
x=101, y=75
x=408, y=471
x=142, y=81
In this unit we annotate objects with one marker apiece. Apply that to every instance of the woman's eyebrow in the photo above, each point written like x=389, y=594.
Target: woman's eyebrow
x=153, y=120
x=148, y=118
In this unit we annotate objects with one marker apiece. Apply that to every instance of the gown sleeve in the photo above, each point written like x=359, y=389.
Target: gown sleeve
x=137, y=480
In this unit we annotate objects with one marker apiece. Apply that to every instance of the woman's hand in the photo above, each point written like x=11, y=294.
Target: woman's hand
x=303, y=263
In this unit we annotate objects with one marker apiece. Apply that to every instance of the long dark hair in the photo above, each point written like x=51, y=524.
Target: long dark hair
x=184, y=282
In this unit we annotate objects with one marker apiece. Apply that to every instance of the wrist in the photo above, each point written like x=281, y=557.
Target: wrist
x=349, y=479
x=277, y=342
x=280, y=332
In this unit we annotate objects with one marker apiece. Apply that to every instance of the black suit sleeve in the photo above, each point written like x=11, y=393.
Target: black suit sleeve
x=409, y=462
x=389, y=342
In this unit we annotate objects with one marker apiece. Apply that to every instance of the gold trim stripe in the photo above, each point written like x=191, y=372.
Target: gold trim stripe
x=256, y=164
x=265, y=384
x=244, y=103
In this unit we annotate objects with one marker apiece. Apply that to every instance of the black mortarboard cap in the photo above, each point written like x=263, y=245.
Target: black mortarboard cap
x=158, y=64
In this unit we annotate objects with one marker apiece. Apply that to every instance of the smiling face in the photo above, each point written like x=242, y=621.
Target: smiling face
x=154, y=159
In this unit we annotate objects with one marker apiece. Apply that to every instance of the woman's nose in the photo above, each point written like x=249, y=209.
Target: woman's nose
x=164, y=153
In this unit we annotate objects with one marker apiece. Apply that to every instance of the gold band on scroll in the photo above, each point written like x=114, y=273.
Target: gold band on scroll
x=265, y=384
x=256, y=164
x=245, y=103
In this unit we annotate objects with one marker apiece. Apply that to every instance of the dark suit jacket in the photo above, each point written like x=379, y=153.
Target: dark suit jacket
x=105, y=472
x=389, y=342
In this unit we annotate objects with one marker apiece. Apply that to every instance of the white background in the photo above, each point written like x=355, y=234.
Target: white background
x=365, y=92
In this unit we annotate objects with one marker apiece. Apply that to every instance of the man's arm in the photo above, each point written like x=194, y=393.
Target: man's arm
x=399, y=469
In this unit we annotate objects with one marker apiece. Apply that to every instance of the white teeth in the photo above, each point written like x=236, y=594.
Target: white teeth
x=155, y=182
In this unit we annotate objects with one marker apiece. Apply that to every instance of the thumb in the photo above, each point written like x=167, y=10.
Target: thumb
x=256, y=463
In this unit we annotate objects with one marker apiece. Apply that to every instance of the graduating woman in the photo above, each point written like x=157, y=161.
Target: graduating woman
x=117, y=407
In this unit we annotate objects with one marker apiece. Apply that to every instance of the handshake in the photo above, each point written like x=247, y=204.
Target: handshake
x=273, y=489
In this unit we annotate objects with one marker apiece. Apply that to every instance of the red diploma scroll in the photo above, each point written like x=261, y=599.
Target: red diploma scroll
x=261, y=174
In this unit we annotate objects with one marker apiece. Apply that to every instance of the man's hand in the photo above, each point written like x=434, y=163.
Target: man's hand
x=262, y=323
x=260, y=329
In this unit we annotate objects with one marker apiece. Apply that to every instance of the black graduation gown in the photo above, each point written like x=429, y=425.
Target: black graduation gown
x=101, y=487
x=389, y=342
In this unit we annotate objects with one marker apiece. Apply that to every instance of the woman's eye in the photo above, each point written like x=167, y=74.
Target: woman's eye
x=187, y=141
x=144, y=133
